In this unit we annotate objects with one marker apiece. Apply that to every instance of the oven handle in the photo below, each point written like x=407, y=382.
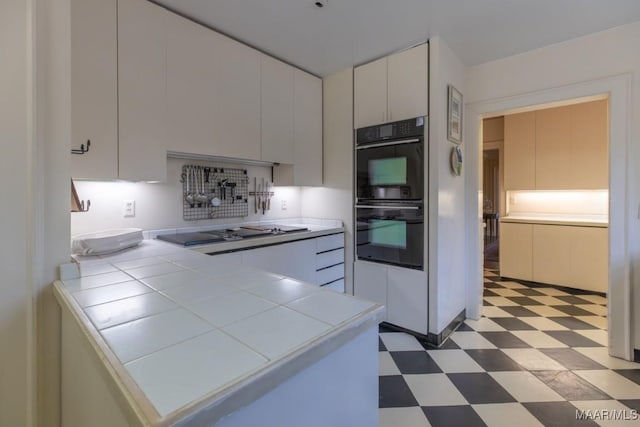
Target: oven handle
x=385, y=144
x=410, y=208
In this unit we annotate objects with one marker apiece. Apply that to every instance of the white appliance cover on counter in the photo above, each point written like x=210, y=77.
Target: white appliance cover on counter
x=107, y=241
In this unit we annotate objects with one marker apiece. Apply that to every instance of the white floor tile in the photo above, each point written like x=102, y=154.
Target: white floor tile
x=399, y=341
x=538, y=339
x=506, y=415
x=506, y=292
x=533, y=360
x=543, y=324
x=128, y=309
x=552, y=292
x=613, y=408
x=469, y=340
x=512, y=285
x=613, y=384
x=484, y=324
x=386, y=364
x=451, y=361
x=141, y=337
x=330, y=307
x=598, y=335
x=489, y=311
x=434, y=390
x=546, y=311
x=96, y=280
x=500, y=302
x=526, y=387
x=277, y=331
x=102, y=294
x=597, y=321
x=599, y=310
x=180, y=374
x=228, y=308
x=601, y=355
x=548, y=300
x=402, y=417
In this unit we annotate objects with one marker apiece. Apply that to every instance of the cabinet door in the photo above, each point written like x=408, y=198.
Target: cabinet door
x=590, y=258
x=307, y=129
x=277, y=110
x=407, y=299
x=553, y=154
x=141, y=89
x=407, y=83
x=370, y=282
x=296, y=260
x=590, y=147
x=516, y=251
x=519, y=151
x=94, y=88
x=370, y=93
x=551, y=252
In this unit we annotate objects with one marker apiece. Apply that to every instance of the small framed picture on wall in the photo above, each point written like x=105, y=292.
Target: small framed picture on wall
x=454, y=116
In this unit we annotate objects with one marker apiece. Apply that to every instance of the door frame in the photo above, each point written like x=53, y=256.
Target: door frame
x=617, y=89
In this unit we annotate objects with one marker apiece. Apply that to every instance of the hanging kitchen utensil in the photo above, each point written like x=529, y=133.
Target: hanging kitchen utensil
x=189, y=196
x=255, y=194
x=268, y=196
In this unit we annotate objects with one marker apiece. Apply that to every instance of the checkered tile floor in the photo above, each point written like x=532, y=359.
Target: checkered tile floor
x=536, y=355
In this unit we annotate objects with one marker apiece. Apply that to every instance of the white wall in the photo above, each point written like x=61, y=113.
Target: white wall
x=15, y=292
x=447, y=242
x=605, y=54
x=159, y=205
x=335, y=199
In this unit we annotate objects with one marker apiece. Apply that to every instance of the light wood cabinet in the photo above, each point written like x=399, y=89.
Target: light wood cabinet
x=516, y=251
x=589, y=260
x=392, y=88
x=553, y=149
x=520, y=151
x=94, y=82
x=142, y=133
x=551, y=249
x=589, y=150
x=277, y=110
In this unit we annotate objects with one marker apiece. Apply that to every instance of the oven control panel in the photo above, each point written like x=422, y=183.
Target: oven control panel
x=395, y=130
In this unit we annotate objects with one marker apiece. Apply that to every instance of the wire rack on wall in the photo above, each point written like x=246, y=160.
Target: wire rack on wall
x=213, y=192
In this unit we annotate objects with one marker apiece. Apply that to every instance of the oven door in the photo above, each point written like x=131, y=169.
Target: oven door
x=391, y=234
x=392, y=170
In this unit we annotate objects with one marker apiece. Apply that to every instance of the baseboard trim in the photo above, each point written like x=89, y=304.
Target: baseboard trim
x=636, y=355
x=436, y=340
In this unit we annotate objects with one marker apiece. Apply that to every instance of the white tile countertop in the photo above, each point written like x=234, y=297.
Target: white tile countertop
x=197, y=340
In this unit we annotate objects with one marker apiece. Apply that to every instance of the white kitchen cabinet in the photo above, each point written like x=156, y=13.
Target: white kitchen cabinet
x=589, y=260
x=553, y=149
x=294, y=259
x=407, y=299
x=277, y=83
x=520, y=151
x=590, y=145
x=516, y=251
x=213, y=92
x=94, y=82
x=392, y=88
x=551, y=252
x=142, y=133
x=408, y=84
x=370, y=282
x=370, y=93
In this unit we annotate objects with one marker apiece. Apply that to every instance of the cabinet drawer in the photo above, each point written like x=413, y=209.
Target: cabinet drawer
x=337, y=286
x=330, y=274
x=327, y=259
x=327, y=243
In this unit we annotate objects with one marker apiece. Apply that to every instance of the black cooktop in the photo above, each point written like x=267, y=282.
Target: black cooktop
x=215, y=236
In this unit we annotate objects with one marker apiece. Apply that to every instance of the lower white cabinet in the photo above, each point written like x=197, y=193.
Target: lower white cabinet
x=370, y=282
x=516, y=245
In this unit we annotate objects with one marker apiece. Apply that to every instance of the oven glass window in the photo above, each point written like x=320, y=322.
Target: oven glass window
x=388, y=233
x=388, y=171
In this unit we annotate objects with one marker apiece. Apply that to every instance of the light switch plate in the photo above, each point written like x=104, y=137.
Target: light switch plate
x=129, y=209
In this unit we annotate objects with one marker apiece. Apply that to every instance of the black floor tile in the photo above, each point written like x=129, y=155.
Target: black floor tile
x=493, y=360
x=557, y=414
x=415, y=362
x=504, y=339
x=480, y=387
x=492, y=285
x=631, y=374
x=524, y=300
x=573, y=310
x=381, y=346
x=513, y=324
x=464, y=327
x=572, y=339
x=488, y=293
x=572, y=322
x=486, y=303
x=518, y=311
x=571, y=359
x=570, y=386
x=447, y=416
x=394, y=392
x=529, y=292
x=572, y=299
x=633, y=404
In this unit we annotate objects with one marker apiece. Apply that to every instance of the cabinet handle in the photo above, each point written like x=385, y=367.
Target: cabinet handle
x=82, y=148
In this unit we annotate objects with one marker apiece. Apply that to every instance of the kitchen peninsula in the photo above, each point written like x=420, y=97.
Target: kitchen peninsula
x=163, y=335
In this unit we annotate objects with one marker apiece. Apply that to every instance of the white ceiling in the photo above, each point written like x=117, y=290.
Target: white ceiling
x=349, y=32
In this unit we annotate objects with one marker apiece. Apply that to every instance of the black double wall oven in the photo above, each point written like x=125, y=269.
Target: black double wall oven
x=389, y=206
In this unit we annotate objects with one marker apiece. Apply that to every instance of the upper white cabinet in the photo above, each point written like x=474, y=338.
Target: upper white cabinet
x=277, y=110
x=141, y=91
x=520, y=151
x=392, y=88
x=94, y=82
x=213, y=93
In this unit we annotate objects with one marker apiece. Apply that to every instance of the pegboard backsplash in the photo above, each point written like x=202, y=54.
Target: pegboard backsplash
x=214, y=192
